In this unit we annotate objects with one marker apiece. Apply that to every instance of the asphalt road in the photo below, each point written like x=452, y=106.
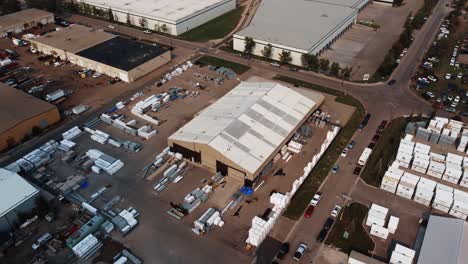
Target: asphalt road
x=383, y=101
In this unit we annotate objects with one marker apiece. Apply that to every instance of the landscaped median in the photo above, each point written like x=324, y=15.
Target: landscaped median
x=217, y=28
x=348, y=232
x=385, y=149
x=236, y=67
x=305, y=193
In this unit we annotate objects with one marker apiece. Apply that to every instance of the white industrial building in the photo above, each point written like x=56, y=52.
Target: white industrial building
x=16, y=196
x=168, y=16
x=445, y=241
x=298, y=26
x=240, y=134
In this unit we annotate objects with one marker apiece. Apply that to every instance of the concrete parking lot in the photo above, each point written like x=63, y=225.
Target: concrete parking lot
x=362, y=47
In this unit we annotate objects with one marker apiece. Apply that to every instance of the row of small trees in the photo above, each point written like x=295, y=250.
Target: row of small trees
x=108, y=14
x=309, y=61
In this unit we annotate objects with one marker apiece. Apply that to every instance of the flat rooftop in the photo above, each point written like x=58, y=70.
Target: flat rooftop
x=13, y=110
x=169, y=10
x=445, y=241
x=74, y=38
x=23, y=17
x=14, y=190
x=122, y=53
x=250, y=122
x=305, y=24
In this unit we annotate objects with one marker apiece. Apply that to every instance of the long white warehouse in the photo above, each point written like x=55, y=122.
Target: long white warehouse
x=167, y=16
x=299, y=26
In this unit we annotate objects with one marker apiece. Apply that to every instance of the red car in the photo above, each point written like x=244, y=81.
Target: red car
x=309, y=211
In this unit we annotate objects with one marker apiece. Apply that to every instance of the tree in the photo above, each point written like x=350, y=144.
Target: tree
x=110, y=14
x=335, y=69
x=324, y=65
x=142, y=22
x=128, y=19
x=9, y=6
x=310, y=62
x=266, y=52
x=346, y=72
x=249, y=45
x=285, y=57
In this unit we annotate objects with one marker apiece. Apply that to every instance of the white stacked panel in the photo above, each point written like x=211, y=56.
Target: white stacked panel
x=402, y=255
x=376, y=215
x=454, y=159
x=443, y=198
x=463, y=141
x=405, y=153
x=452, y=173
x=379, y=231
x=460, y=205
x=393, y=224
x=437, y=157
x=390, y=182
x=407, y=185
x=464, y=179
x=422, y=148
x=420, y=162
x=436, y=169
x=424, y=191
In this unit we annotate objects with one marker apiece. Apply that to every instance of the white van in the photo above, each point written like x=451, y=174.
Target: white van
x=41, y=241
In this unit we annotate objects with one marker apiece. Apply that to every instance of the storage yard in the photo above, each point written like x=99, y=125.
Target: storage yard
x=100, y=164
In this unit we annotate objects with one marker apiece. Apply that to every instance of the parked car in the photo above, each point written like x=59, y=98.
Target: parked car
x=111, y=26
x=364, y=121
x=456, y=99
x=344, y=153
x=147, y=31
x=459, y=75
x=336, y=210
x=321, y=236
x=274, y=64
x=357, y=170
x=448, y=76
x=335, y=169
x=308, y=212
x=41, y=241
x=351, y=144
x=328, y=223
x=375, y=138
x=450, y=109
x=371, y=145
x=316, y=199
x=300, y=251
x=284, y=249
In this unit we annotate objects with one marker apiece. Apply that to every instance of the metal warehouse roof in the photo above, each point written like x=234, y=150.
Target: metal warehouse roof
x=17, y=106
x=14, y=190
x=170, y=10
x=23, y=17
x=250, y=122
x=445, y=241
x=299, y=24
x=74, y=38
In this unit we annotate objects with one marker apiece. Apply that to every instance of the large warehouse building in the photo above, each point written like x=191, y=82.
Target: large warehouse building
x=16, y=196
x=298, y=26
x=24, y=20
x=240, y=134
x=103, y=52
x=168, y=16
x=445, y=241
x=20, y=113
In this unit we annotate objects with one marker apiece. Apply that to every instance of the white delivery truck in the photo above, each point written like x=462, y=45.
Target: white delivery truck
x=55, y=95
x=364, y=156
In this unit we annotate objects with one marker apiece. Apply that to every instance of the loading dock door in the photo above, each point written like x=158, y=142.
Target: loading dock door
x=229, y=171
